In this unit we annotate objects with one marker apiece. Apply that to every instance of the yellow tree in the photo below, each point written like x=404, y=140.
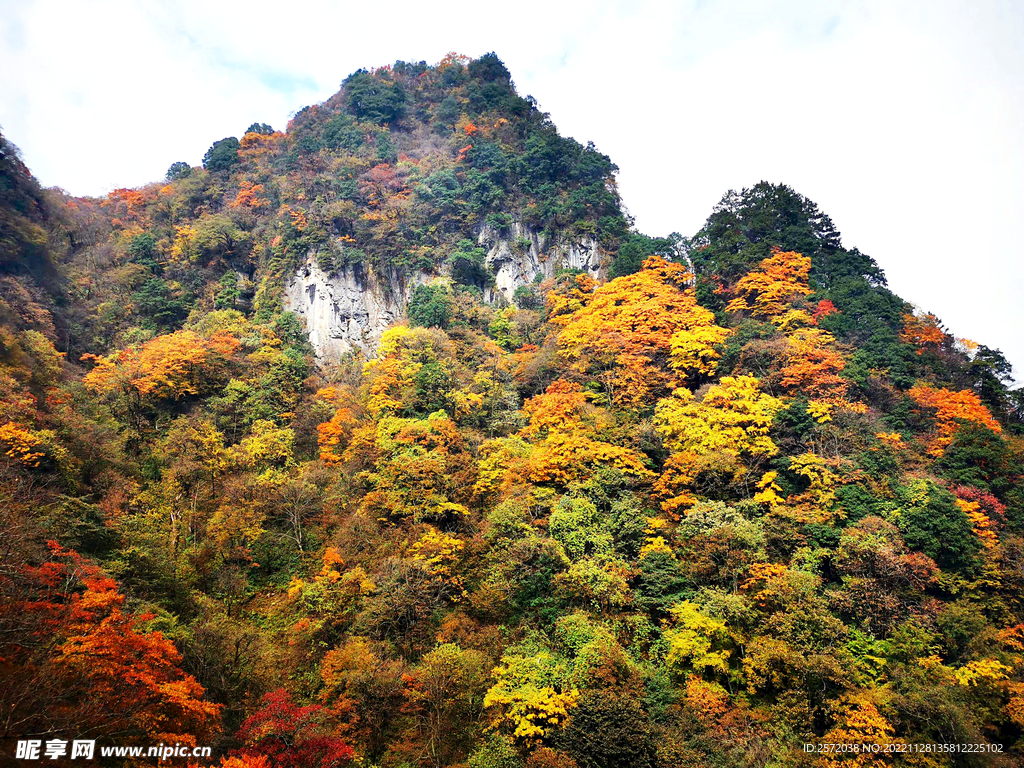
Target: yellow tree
x=568, y=296
x=22, y=445
x=637, y=332
x=815, y=503
x=416, y=370
x=563, y=427
x=531, y=697
x=439, y=554
x=419, y=468
x=734, y=417
x=390, y=374
x=695, y=641
x=730, y=423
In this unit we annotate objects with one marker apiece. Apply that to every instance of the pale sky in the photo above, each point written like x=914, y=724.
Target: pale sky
x=904, y=121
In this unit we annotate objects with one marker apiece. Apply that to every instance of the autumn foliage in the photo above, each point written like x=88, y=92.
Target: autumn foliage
x=82, y=663
x=769, y=291
x=636, y=333
x=287, y=736
x=574, y=496
x=167, y=368
x=924, y=332
x=950, y=410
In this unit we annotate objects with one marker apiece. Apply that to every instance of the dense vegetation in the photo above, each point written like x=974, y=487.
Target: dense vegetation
x=737, y=497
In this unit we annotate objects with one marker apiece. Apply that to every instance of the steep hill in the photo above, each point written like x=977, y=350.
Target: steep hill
x=408, y=172
x=388, y=440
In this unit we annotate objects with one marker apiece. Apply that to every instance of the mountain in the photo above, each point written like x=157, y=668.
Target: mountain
x=389, y=440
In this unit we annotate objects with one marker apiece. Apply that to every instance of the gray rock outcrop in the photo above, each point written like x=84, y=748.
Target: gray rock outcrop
x=517, y=255
x=348, y=310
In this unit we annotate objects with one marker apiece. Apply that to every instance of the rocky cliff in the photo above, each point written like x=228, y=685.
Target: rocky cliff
x=349, y=309
x=518, y=255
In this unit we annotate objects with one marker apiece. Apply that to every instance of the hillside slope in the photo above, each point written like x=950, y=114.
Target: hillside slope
x=387, y=440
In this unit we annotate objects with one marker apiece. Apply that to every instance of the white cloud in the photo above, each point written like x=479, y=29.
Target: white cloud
x=903, y=121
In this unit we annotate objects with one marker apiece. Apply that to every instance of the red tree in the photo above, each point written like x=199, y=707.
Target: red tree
x=74, y=661
x=291, y=736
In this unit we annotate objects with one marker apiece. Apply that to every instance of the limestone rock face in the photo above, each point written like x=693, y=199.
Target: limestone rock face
x=517, y=255
x=348, y=310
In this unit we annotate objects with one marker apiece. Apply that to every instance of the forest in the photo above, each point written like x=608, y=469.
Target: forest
x=724, y=498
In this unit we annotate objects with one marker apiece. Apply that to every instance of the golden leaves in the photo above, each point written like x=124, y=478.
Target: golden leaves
x=167, y=367
x=528, y=698
x=734, y=417
x=695, y=640
x=768, y=291
x=635, y=331
x=568, y=450
x=22, y=445
x=439, y=554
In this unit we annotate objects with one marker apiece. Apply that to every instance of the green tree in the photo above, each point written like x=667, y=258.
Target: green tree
x=468, y=262
x=634, y=250
x=373, y=98
x=933, y=523
x=158, y=302
x=228, y=295
x=221, y=155
x=489, y=68
x=608, y=730
x=178, y=170
x=142, y=250
x=430, y=306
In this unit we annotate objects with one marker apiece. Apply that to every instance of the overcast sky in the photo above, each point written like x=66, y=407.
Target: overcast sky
x=903, y=121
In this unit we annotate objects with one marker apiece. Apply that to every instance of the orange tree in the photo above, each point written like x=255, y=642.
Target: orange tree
x=637, y=333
